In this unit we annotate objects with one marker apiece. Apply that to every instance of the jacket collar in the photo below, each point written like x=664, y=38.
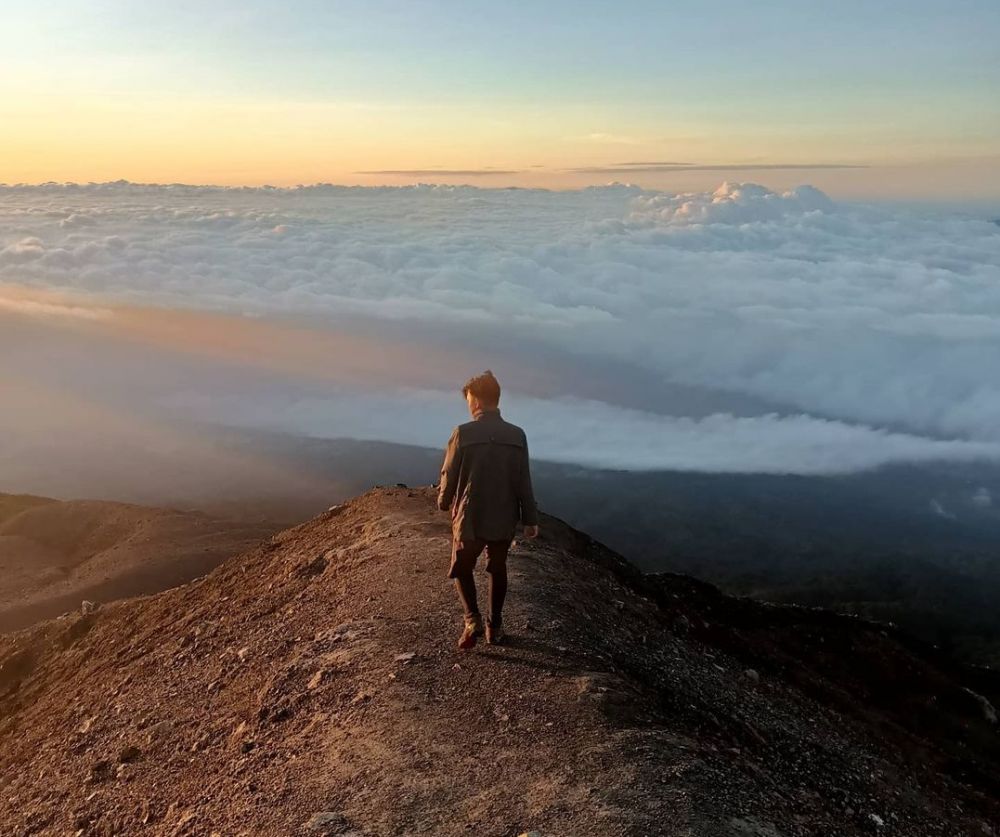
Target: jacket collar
x=487, y=414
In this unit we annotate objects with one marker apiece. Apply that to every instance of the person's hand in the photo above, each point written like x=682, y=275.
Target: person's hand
x=531, y=532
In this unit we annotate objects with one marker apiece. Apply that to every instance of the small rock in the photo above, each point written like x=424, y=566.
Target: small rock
x=314, y=566
x=129, y=753
x=87, y=607
x=201, y=742
x=752, y=827
x=360, y=697
x=315, y=680
x=328, y=822
x=752, y=675
x=182, y=821
x=159, y=731
x=101, y=771
x=456, y=667
x=530, y=834
x=405, y=657
x=989, y=712
x=875, y=818
x=243, y=653
x=148, y=812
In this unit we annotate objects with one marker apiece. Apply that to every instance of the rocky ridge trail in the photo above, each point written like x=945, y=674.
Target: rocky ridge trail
x=312, y=686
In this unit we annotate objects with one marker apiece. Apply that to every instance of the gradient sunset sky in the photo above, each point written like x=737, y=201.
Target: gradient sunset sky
x=877, y=99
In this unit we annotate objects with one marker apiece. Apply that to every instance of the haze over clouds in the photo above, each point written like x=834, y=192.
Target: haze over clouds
x=834, y=336
x=600, y=435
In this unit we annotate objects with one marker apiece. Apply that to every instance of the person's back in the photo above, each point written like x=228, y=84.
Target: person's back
x=492, y=480
x=486, y=485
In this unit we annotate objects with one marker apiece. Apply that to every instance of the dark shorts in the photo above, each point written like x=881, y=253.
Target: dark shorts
x=465, y=553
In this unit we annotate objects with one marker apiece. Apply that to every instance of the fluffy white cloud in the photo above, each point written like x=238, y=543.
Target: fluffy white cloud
x=731, y=203
x=873, y=316
x=23, y=250
x=596, y=434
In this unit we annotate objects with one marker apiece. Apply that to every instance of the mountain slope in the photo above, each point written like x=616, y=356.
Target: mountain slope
x=53, y=554
x=312, y=686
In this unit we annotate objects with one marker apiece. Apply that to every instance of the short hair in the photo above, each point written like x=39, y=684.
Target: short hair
x=485, y=387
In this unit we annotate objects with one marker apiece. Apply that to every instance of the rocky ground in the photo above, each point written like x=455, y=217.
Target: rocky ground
x=54, y=554
x=312, y=686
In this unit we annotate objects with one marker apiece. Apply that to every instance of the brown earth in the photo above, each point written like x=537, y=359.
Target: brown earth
x=312, y=686
x=55, y=554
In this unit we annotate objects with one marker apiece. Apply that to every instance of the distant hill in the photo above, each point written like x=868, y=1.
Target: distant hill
x=312, y=686
x=54, y=554
x=874, y=544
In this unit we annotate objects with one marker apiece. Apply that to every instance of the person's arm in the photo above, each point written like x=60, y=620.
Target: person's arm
x=449, y=472
x=526, y=496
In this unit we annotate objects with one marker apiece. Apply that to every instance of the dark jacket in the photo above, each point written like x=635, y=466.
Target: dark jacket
x=486, y=481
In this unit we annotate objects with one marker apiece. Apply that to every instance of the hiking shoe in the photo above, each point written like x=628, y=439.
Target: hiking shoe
x=494, y=634
x=473, y=629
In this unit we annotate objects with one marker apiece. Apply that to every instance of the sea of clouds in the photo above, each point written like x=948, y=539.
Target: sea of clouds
x=845, y=335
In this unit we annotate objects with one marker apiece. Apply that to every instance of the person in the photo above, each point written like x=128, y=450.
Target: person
x=486, y=485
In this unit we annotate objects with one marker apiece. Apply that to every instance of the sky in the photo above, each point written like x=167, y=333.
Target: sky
x=890, y=101
x=753, y=238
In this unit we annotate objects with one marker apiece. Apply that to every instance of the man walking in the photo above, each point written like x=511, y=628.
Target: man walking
x=486, y=485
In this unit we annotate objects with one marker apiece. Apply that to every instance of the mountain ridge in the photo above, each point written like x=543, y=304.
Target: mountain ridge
x=55, y=553
x=312, y=686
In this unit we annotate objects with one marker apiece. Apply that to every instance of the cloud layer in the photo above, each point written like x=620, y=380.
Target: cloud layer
x=832, y=314
x=596, y=434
